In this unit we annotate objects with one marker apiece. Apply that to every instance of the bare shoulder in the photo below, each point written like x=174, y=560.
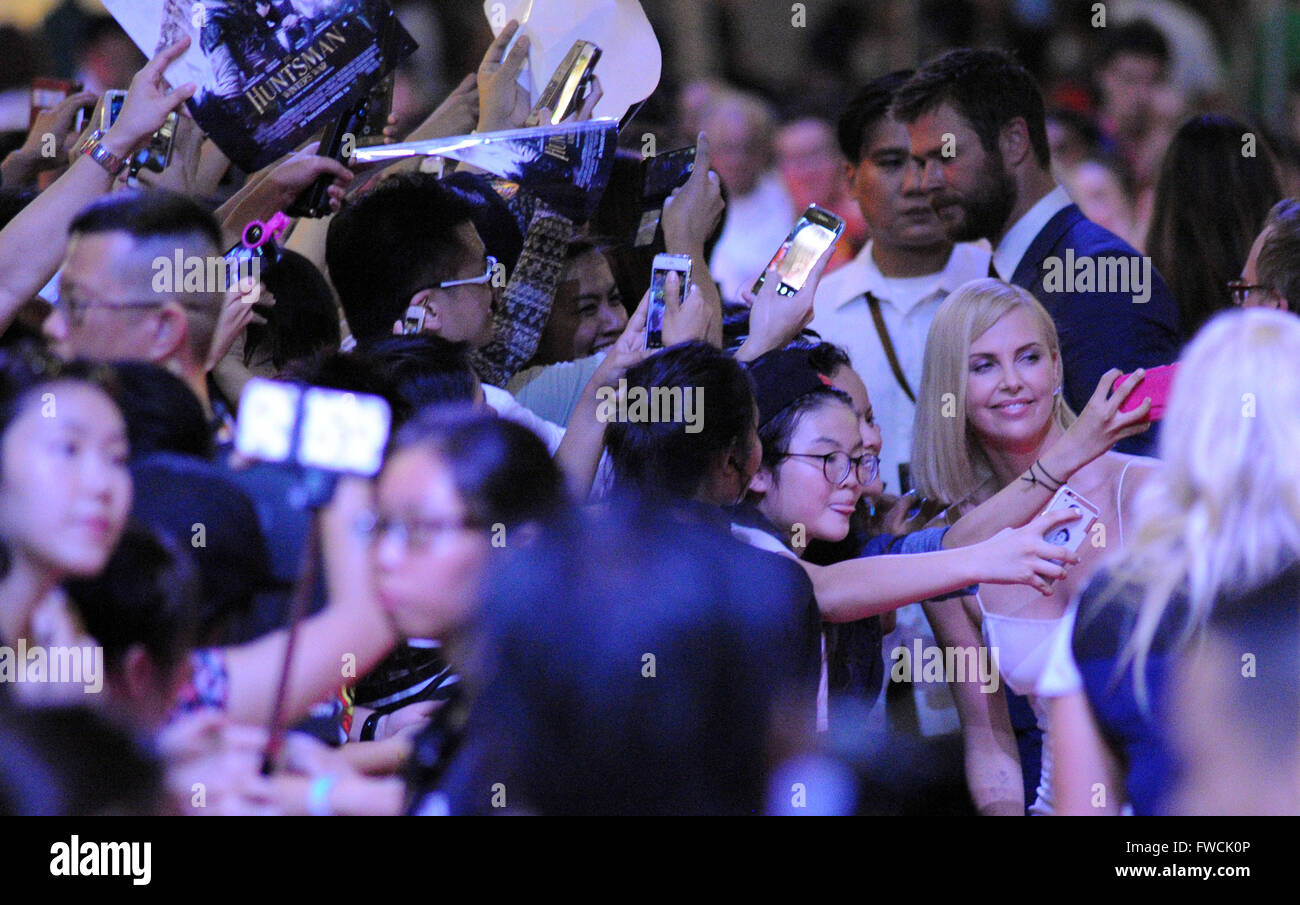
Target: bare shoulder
x=1106, y=472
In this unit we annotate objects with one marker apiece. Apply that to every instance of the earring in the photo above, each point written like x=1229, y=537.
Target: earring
x=1056, y=392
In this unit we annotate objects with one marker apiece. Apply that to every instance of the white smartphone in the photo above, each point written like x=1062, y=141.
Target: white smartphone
x=1071, y=534
x=312, y=426
x=664, y=265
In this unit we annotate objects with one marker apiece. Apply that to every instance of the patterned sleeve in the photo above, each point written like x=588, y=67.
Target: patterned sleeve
x=527, y=300
x=209, y=685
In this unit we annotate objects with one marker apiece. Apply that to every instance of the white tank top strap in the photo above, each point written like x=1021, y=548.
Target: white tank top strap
x=1119, y=499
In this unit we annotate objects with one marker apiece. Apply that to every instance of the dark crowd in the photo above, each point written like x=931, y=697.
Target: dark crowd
x=989, y=506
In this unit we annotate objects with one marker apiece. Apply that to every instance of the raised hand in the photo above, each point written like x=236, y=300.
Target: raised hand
x=1022, y=556
x=692, y=211
x=776, y=319
x=148, y=102
x=502, y=103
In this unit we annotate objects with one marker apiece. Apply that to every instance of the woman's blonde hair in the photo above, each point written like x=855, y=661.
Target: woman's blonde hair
x=948, y=463
x=1223, y=515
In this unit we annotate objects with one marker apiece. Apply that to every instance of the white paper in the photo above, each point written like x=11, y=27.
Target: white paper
x=630, y=62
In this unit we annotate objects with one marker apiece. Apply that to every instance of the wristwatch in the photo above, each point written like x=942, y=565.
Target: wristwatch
x=93, y=148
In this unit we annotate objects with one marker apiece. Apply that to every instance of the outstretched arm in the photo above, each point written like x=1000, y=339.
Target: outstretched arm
x=33, y=244
x=868, y=586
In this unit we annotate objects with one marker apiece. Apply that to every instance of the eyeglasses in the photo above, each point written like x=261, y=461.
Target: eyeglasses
x=475, y=281
x=836, y=466
x=1241, y=291
x=75, y=309
x=415, y=534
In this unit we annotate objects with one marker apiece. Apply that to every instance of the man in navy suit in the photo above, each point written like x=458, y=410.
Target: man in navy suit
x=975, y=122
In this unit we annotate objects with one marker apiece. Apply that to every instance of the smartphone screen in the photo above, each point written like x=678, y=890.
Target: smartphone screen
x=566, y=90
x=312, y=426
x=663, y=265
x=112, y=107
x=667, y=171
x=814, y=232
x=49, y=93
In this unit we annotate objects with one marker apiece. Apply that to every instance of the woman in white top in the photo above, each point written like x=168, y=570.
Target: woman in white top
x=989, y=410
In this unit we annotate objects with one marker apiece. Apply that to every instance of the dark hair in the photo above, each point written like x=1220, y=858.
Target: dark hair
x=424, y=369
x=987, y=88
x=1138, y=38
x=1210, y=203
x=149, y=214
x=73, y=762
x=496, y=224
x=663, y=460
x=502, y=470
x=147, y=594
x=304, y=319
x=826, y=358
x=391, y=242
x=161, y=411
x=568, y=720
x=351, y=372
x=776, y=433
x=1279, y=255
x=868, y=107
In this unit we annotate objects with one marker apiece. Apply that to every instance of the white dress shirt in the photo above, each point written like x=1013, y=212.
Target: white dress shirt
x=1016, y=242
x=907, y=306
x=756, y=226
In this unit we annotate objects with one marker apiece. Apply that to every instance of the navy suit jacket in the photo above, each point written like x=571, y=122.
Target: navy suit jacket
x=1100, y=330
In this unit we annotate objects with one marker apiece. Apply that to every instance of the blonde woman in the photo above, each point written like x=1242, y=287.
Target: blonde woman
x=989, y=417
x=1222, y=518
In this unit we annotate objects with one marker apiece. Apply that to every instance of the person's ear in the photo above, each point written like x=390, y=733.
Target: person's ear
x=137, y=673
x=850, y=171
x=426, y=299
x=1013, y=142
x=762, y=481
x=170, y=334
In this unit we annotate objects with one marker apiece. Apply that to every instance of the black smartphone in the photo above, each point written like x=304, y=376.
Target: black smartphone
x=664, y=265
x=814, y=232
x=666, y=172
x=379, y=104
x=567, y=89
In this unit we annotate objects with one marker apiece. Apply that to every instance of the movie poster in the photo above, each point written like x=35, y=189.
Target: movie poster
x=271, y=73
x=567, y=166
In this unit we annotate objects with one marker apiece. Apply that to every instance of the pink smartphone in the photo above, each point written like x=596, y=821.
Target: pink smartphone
x=1156, y=383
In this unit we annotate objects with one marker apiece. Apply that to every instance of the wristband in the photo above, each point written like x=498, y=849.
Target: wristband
x=318, y=795
x=369, y=726
x=93, y=148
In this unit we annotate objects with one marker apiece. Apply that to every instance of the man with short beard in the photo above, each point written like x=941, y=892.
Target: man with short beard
x=975, y=122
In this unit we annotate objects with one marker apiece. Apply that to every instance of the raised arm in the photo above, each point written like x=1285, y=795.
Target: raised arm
x=690, y=215
x=33, y=243
x=868, y=586
x=1099, y=427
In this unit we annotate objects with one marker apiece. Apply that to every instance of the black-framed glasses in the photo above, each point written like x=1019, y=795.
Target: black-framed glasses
x=474, y=281
x=837, y=466
x=414, y=534
x=1241, y=291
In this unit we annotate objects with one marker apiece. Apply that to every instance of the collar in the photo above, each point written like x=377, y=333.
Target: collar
x=862, y=275
x=1016, y=242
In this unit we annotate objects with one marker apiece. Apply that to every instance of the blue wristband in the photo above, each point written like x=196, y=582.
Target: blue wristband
x=318, y=796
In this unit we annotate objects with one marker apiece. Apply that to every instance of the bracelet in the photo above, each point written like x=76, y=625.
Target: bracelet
x=318, y=795
x=93, y=148
x=1032, y=479
x=1039, y=463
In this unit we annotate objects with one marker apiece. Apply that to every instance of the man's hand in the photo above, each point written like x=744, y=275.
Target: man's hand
x=148, y=102
x=456, y=115
x=502, y=104
x=627, y=351
x=776, y=319
x=692, y=211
